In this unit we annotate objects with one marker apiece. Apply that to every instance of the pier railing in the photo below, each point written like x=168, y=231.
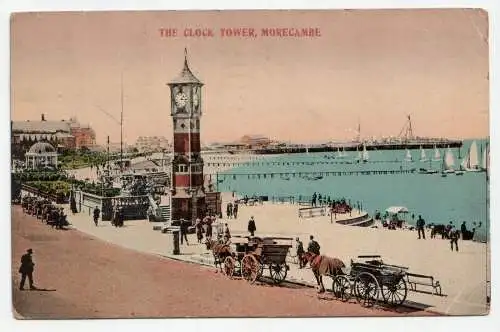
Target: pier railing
x=310, y=176
x=232, y=163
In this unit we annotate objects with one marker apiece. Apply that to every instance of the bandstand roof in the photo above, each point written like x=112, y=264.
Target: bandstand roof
x=42, y=148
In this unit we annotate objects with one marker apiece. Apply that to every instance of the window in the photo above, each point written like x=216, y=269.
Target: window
x=196, y=168
x=181, y=168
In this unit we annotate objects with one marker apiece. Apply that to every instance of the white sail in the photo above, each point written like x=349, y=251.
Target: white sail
x=365, y=153
x=408, y=156
x=473, y=158
x=423, y=157
x=343, y=152
x=465, y=162
x=339, y=154
x=449, y=160
x=484, y=159
x=437, y=154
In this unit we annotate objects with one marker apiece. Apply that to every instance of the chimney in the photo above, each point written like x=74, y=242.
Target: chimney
x=43, y=117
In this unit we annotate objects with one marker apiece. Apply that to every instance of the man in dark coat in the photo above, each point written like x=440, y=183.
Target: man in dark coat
x=251, y=226
x=300, y=252
x=454, y=236
x=235, y=210
x=26, y=269
x=96, y=215
x=420, y=227
x=313, y=246
x=184, y=231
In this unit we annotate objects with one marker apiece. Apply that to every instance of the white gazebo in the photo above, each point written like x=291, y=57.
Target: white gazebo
x=40, y=155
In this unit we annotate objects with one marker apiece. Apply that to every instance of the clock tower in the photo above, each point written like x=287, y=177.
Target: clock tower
x=188, y=194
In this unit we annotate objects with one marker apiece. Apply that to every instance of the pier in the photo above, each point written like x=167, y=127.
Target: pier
x=430, y=144
x=230, y=163
x=313, y=175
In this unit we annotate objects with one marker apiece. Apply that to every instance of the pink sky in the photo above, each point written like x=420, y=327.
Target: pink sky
x=375, y=66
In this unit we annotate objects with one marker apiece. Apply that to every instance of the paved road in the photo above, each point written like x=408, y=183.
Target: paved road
x=85, y=277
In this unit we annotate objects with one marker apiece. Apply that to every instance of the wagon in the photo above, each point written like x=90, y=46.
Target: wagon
x=370, y=280
x=252, y=258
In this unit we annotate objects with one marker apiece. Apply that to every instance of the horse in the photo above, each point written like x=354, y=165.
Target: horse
x=440, y=229
x=220, y=252
x=322, y=265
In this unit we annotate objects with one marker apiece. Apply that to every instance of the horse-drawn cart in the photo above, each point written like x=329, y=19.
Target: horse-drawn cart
x=253, y=256
x=370, y=280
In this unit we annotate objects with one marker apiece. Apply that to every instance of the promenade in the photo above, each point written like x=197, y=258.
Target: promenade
x=462, y=274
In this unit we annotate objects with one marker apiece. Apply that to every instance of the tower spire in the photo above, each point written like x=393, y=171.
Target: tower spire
x=185, y=57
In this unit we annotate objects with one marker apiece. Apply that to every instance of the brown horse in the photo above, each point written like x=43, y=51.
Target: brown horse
x=219, y=250
x=322, y=265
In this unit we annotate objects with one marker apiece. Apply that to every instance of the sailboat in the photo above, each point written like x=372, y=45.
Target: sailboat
x=448, y=162
x=340, y=154
x=437, y=154
x=365, y=154
x=471, y=162
x=423, y=157
x=359, y=156
x=408, y=157
x=484, y=161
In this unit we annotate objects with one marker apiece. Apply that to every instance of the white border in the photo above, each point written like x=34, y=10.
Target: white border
x=341, y=324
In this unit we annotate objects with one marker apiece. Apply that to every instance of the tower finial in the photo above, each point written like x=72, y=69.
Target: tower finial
x=185, y=54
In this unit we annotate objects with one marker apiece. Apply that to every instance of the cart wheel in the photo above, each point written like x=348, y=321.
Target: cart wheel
x=250, y=268
x=341, y=288
x=278, y=272
x=229, y=266
x=366, y=289
x=395, y=294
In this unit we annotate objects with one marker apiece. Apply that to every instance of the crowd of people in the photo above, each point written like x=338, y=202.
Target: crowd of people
x=44, y=210
x=312, y=247
x=232, y=210
x=339, y=206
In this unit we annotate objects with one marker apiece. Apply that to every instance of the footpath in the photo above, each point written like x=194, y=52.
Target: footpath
x=463, y=275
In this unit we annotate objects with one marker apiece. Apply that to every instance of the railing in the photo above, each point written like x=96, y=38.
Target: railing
x=59, y=199
x=133, y=207
x=311, y=212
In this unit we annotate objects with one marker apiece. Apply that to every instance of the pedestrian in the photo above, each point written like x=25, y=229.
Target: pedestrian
x=454, y=235
x=235, y=210
x=229, y=210
x=313, y=201
x=210, y=220
x=26, y=269
x=251, y=226
x=96, y=215
x=184, y=230
x=313, y=246
x=227, y=233
x=199, y=230
x=420, y=226
x=300, y=252
x=463, y=229
x=121, y=217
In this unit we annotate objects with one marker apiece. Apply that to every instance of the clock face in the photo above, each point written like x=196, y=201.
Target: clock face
x=181, y=100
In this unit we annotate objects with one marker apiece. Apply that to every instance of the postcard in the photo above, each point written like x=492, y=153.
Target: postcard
x=257, y=163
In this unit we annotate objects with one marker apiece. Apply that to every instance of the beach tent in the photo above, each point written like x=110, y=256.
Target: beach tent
x=396, y=209
x=397, y=214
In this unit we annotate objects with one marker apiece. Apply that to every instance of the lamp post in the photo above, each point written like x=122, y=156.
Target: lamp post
x=192, y=192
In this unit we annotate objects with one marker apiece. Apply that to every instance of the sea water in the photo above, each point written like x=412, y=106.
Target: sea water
x=437, y=199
